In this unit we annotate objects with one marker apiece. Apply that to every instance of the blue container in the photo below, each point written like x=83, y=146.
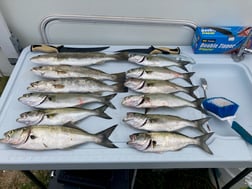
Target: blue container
x=223, y=39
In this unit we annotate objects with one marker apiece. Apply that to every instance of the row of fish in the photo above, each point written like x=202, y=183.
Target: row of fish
x=157, y=89
x=67, y=73
x=92, y=58
x=58, y=102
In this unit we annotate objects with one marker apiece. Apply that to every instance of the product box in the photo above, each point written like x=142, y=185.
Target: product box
x=223, y=39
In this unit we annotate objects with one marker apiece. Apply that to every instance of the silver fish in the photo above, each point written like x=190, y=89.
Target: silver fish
x=160, y=100
x=65, y=71
x=158, y=73
x=167, y=141
x=79, y=85
x=158, y=86
x=60, y=116
x=155, y=60
x=158, y=122
x=48, y=137
x=76, y=58
x=63, y=100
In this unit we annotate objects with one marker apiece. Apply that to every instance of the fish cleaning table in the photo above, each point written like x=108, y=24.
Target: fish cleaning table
x=225, y=78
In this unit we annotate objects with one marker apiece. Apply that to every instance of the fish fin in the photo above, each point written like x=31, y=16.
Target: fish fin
x=119, y=77
x=107, y=100
x=187, y=76
x=119, y=87
x=101, y=113
x=202, y=142
x=200, y=123
x=104, y=136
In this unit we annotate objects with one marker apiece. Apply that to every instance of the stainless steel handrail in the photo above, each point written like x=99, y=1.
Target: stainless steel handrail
x=111, y=19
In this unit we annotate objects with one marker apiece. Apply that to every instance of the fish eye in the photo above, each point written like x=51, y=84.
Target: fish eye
x=24, y=115
x=32, y=137
x=49, y=116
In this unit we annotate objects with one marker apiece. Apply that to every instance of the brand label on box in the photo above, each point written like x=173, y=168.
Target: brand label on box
x=224, y=39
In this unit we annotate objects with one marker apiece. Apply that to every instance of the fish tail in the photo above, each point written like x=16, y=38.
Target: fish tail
x=198, y=103
x=187, y=76
x=119, y=87
x=200, y=123
x=101, y=113
x=202, y=142
x=191, y=90
x=182, y=65
x=107, y=100
x=119, y=77
x=104, y=137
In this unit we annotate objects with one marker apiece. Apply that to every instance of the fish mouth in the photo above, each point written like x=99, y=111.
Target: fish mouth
x=128, y=117
x=132, y=139
x=125, y=119
x=21, y=140
x=37, y=70
x=34, y=84
x=4, y=140
x=133, y=100
x=24, y=119
x=32, y=102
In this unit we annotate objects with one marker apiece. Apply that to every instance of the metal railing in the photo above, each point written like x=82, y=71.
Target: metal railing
x=111, y=19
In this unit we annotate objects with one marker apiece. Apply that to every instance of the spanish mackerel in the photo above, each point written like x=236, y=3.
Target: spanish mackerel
x=79, y=85
x=159, y=122
x=48, y=137
x=77, y=58
x=158, y=73
x=60, y=116
x=63, y=100
x=158, y=86
x=66, y=71
x=160, y=100
x=167, y=141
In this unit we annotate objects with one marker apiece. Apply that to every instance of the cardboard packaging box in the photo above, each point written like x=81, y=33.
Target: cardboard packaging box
x=223, y=39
